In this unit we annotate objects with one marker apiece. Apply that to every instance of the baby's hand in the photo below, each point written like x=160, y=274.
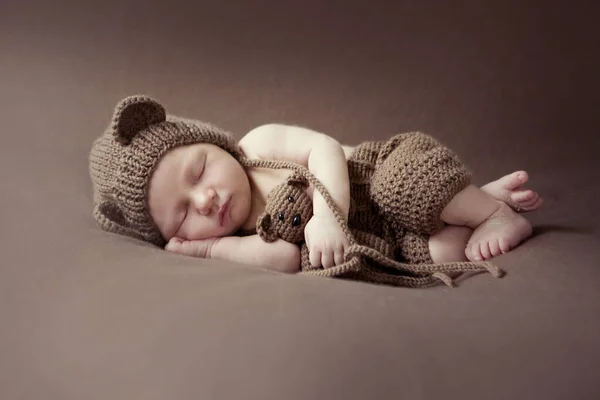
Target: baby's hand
x=193, y=248
x=326, y=241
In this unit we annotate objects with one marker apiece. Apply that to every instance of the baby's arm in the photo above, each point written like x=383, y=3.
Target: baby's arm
x=326, y=159
x=279, y=255
x=321, y=154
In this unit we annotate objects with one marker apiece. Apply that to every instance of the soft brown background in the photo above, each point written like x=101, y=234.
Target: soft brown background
x=88, y=315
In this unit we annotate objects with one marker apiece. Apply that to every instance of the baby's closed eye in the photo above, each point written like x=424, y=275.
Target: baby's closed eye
x=198, y=170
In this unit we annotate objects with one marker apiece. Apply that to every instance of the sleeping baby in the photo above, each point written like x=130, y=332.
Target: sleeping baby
x=400, y=211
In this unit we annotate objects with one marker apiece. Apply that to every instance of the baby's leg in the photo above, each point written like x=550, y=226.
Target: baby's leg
x=449, y=244
x=497, y=228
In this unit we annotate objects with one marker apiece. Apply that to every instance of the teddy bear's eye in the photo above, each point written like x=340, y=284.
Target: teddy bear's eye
x=291, y=199
x=296, y=220
x=281, y=216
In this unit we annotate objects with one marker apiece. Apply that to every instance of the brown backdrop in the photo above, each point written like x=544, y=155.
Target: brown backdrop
x=87, y=315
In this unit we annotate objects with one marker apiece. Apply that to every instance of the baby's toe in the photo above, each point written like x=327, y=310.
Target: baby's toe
x=514, y=180
x=532, y=204
x=522, y=176
x=527, y=200
x=532, y=201
x=522, y=196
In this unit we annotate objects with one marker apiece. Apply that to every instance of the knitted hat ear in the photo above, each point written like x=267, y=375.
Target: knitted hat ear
x=111, y=211
x=134, y=114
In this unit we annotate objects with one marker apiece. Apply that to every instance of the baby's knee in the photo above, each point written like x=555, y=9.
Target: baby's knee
x=449, y=244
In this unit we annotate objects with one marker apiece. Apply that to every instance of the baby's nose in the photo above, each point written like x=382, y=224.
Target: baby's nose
x=204, y=200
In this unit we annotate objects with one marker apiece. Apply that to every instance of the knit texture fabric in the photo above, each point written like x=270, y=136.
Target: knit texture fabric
x=122, y=161
x=398, y=190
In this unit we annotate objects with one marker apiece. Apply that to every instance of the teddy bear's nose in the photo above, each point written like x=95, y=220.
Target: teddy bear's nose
x=296, y=220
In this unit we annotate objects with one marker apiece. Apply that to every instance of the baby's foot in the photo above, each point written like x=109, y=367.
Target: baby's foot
x=500, y=233
x=509, y=189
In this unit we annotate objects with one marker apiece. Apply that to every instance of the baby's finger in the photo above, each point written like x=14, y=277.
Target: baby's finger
x=170, y=247
x=315, y=258
x=183, y=249
x=327, y=259
x=188, y=248
x=485, y=250
x=173, y=245
x=338, y=256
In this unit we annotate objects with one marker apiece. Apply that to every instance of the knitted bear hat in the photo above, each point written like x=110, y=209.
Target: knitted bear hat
x=123, y=159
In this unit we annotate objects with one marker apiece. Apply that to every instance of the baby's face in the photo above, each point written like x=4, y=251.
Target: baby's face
x=198, y=191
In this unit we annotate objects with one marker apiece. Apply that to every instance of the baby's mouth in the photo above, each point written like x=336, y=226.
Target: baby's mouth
x=223, y=211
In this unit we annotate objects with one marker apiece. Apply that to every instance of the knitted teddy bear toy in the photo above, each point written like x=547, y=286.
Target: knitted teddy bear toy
x=288, y=211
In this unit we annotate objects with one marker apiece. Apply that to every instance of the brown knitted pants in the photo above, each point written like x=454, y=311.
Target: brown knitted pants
x=412, y=180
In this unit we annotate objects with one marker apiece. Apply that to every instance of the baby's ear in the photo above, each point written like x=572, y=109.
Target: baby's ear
x=297, y=180
x=134, y=114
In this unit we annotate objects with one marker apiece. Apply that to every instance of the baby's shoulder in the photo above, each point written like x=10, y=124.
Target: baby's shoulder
x=263, y=141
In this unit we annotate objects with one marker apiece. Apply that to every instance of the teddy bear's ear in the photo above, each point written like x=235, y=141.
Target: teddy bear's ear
x=298, y=180
x=134, y=114
x=264, y=228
